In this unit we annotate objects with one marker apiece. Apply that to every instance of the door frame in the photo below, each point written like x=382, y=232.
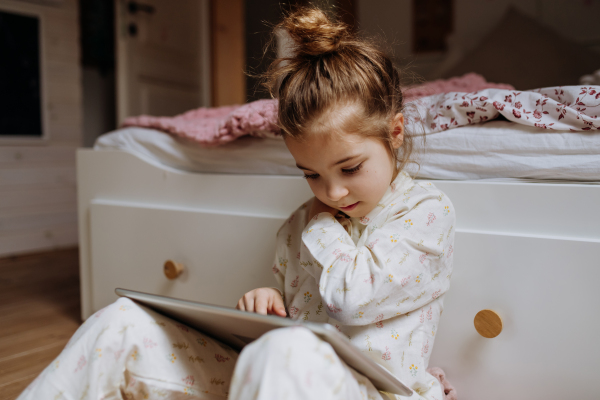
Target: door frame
x=228, y=52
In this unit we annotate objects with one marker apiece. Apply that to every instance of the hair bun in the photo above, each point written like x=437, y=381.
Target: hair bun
x=313, y=32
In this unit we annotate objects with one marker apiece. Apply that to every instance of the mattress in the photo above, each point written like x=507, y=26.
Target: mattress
x=246, y=155
x=494, y=150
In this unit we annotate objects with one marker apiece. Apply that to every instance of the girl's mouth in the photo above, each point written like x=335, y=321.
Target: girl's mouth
x=350, y=207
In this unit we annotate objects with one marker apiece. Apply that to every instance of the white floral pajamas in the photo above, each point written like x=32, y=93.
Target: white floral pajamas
x=379, y=279
x=126, y=351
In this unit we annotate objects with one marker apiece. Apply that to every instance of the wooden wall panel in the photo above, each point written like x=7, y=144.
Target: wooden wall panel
x=37, y=196
x=37, y=182
x=32, y=240
x=228, y=52
x=38, y=220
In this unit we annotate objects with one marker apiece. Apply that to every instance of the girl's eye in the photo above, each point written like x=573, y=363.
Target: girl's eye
x=311, y=176
x=352, y=170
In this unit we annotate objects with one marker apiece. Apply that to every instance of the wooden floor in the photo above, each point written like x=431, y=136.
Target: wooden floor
x=39, y=311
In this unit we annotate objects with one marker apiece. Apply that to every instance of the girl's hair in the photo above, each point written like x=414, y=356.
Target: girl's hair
x=331, y=68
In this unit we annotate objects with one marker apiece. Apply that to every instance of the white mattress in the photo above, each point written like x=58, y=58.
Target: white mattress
x=246, y=155
x=497, y=149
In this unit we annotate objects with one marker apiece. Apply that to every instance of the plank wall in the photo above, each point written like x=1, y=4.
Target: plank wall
x=37, y=182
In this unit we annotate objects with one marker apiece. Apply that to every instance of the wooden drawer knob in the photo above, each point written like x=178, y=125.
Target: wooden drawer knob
x=172, y=269
x=488, y=324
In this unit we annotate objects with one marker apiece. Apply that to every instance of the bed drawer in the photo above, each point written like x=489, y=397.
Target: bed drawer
x=545, y=291
x=540, y=209
x=224, y=255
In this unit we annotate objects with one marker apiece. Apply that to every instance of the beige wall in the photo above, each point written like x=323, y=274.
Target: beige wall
x=37, y=182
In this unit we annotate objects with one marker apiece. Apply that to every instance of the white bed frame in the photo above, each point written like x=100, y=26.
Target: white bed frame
x=529, y=251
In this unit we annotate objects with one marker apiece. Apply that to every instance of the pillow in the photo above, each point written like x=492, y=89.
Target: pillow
x=528, y=55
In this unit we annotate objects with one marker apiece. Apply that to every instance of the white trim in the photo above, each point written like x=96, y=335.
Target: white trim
x=146, y=206
x=528, y=235
x=22, y=140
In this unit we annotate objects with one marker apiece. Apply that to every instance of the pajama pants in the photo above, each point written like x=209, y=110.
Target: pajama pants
x=127, y=351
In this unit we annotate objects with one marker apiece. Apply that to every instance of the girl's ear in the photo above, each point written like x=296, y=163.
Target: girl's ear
x=398, y=130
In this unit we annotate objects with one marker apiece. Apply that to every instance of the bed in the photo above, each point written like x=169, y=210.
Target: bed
x=527, y=241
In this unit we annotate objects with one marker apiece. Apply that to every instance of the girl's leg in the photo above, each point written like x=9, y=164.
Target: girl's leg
x=127, y=351
x=293, y=363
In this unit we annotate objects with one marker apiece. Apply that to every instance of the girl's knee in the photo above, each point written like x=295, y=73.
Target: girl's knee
x=122, y=308
x=292, y=341
x=125, y=303
x=296, y=335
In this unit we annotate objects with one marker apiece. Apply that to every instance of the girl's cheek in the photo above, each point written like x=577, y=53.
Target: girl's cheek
x=316, y=189
x=365, y=183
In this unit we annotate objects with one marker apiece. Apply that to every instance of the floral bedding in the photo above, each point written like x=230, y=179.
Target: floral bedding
x=574, y=108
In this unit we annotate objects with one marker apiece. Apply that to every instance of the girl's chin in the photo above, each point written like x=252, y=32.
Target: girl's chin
x=355, y=213
x=359, y=211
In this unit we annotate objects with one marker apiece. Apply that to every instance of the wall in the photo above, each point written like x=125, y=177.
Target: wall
x=257, y=35
x=473, y=20
x=37, y=182
x=97, y=26
x=99, y=104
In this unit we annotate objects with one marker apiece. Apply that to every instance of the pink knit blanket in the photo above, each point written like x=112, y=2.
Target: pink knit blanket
x=470, y=82
x=216, y=126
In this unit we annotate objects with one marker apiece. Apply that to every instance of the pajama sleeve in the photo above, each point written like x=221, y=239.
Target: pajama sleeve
x=401, y=266
x=279, y=268
x=287, y=245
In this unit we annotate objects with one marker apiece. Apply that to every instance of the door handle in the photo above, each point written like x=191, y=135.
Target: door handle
x=132, y=29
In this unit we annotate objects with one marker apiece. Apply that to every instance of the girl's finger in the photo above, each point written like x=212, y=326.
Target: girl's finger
x=240, y=305
x=278, y=307
x=249, y=302
x=260, y=305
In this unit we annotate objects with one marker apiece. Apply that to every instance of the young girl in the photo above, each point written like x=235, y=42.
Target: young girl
x=371, y=254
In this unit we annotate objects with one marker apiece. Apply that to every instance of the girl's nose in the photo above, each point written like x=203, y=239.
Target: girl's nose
x=336, y=192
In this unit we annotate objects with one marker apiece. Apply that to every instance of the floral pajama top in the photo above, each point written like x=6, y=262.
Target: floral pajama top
x=379, y=279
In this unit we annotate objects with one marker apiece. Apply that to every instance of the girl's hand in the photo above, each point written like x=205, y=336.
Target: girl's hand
x=318, y=207
x=263, y=301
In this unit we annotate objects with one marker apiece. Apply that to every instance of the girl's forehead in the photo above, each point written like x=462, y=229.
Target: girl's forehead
x=341, y=118
x=332, y=142
x=332, y=135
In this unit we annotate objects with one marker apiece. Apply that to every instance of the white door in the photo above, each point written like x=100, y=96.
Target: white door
x=162, y=56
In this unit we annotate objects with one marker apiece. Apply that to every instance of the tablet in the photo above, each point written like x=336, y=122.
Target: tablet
x=238, y=328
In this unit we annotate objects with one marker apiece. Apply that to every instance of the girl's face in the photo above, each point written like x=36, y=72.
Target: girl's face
x=347, y=171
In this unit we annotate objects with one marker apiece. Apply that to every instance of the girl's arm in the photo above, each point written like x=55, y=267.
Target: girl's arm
x=279, y=268
x=402, y=265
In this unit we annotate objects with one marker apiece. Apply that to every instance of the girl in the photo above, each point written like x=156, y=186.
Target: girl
x=371, y=254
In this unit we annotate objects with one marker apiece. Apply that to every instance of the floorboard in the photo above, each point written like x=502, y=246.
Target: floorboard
x=39, y=312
